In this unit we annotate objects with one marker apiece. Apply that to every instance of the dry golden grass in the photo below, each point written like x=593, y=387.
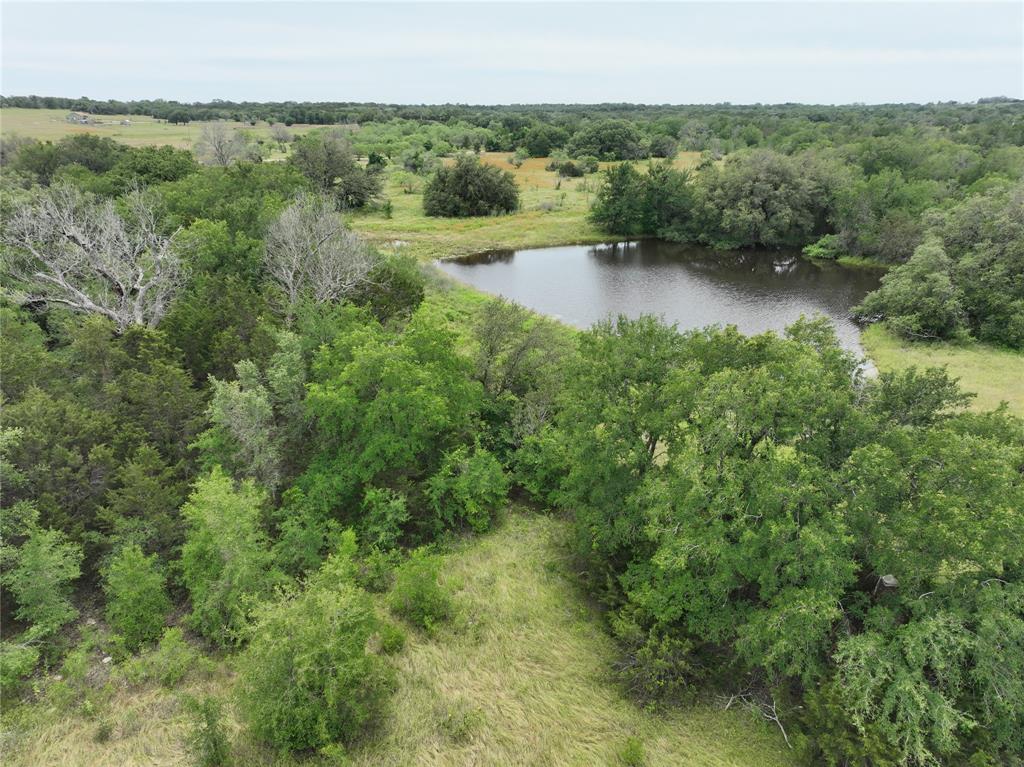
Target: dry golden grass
x=993, y=374
x=519, y=678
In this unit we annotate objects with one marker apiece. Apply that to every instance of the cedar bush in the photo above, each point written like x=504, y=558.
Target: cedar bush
x=470, y=188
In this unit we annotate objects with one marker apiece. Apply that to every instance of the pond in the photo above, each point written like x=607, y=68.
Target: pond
x=691, y=286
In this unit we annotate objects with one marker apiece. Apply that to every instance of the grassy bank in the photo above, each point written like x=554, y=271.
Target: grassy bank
x=993, y=374
x=519, y=678
x=554, y=212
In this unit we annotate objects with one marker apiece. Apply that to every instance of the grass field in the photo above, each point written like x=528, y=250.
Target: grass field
x=554, y=212
x=993, y=374
x=520, y=678
x=50, y=125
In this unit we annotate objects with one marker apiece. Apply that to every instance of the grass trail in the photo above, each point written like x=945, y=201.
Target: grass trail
x=520, y=678
x=524, y=679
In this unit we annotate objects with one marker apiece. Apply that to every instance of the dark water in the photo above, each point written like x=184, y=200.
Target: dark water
x=694, y=287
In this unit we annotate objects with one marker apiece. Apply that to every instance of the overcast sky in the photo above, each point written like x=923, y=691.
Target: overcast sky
x=487, y=53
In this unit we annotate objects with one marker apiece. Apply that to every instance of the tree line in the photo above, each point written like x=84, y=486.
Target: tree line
x=951, y=229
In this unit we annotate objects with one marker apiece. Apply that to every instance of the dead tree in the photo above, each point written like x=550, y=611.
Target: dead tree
x=311, y=255
x=64, y=248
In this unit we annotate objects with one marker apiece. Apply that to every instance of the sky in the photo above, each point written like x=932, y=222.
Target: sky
x=500, y=53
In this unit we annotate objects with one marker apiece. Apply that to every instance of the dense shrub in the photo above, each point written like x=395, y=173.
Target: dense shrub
x=137, y=602
x=418, y=595
x=385, y=513
x=225, y=561
x=17, y=660
x=170, y=662
x=469, y=487
x=757, y=512
x=470, y=188
x=208, y=740
x=307, y=678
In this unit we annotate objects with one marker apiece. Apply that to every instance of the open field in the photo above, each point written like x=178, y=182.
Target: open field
x=993, y=374
x=554, y=212
x=51, y=125
x=520, y=678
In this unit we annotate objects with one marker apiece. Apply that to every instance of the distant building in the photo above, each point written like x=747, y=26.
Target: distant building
x=79, y=117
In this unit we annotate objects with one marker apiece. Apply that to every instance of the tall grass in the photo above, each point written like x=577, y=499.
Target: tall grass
x=519, y=677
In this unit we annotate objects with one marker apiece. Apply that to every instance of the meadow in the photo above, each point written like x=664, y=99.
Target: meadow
x=993, y=374
x=520, y=677
x=553, y=212
x=51, y=125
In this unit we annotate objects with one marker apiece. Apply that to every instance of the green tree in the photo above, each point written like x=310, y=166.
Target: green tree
x=137, y=601
x=758, y=197
x=306, y=678
x=609, y=140
x=326, y=159
x=386, y=410
x=619, y=207
x=225, y=560
x=919, y=299
x=39, y=575
x=470, y=188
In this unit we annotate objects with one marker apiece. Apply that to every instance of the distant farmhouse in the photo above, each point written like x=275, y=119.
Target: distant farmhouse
x=82, y=118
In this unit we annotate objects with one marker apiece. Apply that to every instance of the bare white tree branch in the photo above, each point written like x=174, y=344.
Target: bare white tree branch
x=62, y=247
x=310, y=254
x=219, y=144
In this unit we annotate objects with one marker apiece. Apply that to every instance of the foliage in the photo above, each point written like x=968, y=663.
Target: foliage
x=208, y=741
x=17, y=660
x=326, y=159
x=387, y=408
x=919, y=299
x=608, y=140
x=469, y=487
x=757, y=512
x=470, y=188
x=225, y=561
x=39, y=578
x=242, y=437
x=170, y=662
x=394, y=288
x=633, y=204
x=827, y=248
x=418, y=594
x=964, y=278
x=384, y=515
x=306, y=676
x=137, y=602
x=632, y=753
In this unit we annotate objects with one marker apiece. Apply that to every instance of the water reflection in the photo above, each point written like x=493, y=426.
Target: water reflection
x=692, y=286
